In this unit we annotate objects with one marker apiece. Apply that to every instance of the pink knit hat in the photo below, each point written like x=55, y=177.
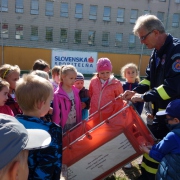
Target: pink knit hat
x=104, y=64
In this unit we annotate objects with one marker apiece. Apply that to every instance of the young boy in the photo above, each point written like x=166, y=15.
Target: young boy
x=34, y=95
x=83, y=94
x=55, y=77
x=167, y=151
x=14, y=146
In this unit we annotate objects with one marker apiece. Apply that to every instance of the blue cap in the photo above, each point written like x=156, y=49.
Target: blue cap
x=172, y=109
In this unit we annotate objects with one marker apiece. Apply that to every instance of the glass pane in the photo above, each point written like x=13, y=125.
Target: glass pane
x=160, y=15
x=93, y=10
x=134, y=13
x=49, y=8
x=34, y=4
x=63, y=35
x=77, y=36
x=19, y=3
x=131, y=38
x=91, y=37
x=107, y=11
x=19, y=32
x=120, y=12
x=49, y=34
x=78, y=8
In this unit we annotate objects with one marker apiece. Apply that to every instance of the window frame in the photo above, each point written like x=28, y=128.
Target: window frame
x=133, y=15
x=19, y=6
x=64, y=10
x=77, y=41
x=49, y=8
x=62, y=39
x=2, y=34
x=118, y=41
x=105, y=42
x=132, y=38
x=47, y=38
x=35, y=33
x=120, y=16
x=91, y=40
x=79, y=12
x=175, y=20
x=107, y=17
x=19, y=33
x=35, y=7
x=93, y=12
x=4, y=5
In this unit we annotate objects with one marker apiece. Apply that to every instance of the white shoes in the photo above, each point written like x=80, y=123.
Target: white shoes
x=128, y=166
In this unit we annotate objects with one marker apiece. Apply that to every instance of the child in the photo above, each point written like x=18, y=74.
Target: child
x=4, y=90
x=11, y=75
x=66, y=102
x=43, y=164
x=103, y=87
x=55, y=77
x=40, y=64
x=167, y=151
x=130, y=73
x=41, y=73
x=15, y=143
x=83, y=94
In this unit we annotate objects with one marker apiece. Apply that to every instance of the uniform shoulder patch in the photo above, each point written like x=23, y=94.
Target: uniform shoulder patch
x=176, y=66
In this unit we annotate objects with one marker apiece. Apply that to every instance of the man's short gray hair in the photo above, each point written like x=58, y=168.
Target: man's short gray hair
x=149, y=23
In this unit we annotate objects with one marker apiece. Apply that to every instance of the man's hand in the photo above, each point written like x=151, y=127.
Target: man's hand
x=83, y=105
x=127, y=95
x=137, y=98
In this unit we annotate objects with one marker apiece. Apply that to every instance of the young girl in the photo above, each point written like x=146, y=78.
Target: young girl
x=130, y=73
x=55, y=77
x=11, y=75
x=103, y=87
x=66, y=102
x=4, y=90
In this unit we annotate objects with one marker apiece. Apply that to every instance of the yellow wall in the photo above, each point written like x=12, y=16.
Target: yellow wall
x=119, y=60
x=25, y=57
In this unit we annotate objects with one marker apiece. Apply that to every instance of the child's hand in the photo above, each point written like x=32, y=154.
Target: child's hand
x=150, y=116
x=144, y=148
x=83, y=105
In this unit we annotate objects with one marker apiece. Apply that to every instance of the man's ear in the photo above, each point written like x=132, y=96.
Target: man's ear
x=14, y=171
x=177, y=120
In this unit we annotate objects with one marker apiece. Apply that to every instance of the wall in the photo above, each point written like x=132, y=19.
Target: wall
x=25, y=57
x=119, y=60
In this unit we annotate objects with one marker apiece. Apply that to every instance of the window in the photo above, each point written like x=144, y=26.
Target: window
x=175, y=20
x=34, y=33
x=105, y=39
x=93, y=12
x=134, y=14
x=77, y=36
x=19, y=32
x=49, y=34
x=131, y=41
x=162, y=0
x=79, y=11
x=160, y=15
x=19, y=6
x=118, y=40
x=34, y=6
x=4, y=31
x=63, y=35
x=107, y=14
x=4, y=5
x=120, y=15
x=177, y=1
x=91, y=37
x=147, y=12
x=64, y=10
x=49, y=8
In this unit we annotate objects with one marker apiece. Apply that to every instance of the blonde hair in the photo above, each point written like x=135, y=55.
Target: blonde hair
x=3, y=84
x=7, y=69
x=130, y=65
x=41, y=73
x=21, y=157
x=65, y=69
x=149, y=23
x=32, y=89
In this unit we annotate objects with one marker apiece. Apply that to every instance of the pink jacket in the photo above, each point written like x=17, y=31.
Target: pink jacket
x=101, y=96
x=62, y=105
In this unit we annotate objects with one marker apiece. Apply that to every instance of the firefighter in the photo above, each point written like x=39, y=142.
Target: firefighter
x=161, y=84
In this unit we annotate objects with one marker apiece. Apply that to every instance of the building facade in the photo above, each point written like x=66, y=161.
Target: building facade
x=100, y=26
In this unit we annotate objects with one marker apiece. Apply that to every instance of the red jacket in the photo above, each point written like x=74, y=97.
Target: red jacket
x=101, y=96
